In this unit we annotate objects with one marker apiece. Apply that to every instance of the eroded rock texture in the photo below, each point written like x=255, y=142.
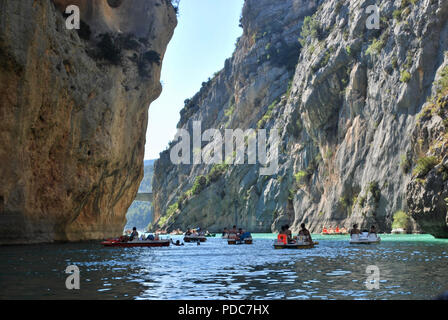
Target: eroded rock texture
x=74, y=114
x=346, y=103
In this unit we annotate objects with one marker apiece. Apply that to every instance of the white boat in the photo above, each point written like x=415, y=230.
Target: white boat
x=364, y=238
x=398, y=231
x=296, y=245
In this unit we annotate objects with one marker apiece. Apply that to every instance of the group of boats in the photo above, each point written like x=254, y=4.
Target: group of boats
x=334, y=232
x=281, y=242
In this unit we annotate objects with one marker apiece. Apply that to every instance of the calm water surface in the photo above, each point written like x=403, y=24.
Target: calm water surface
x=411, y=267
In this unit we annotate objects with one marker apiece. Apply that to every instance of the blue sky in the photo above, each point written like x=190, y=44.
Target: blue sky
x=204, y=38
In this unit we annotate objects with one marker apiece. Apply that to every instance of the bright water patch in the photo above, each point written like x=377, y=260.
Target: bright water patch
x=411, y=267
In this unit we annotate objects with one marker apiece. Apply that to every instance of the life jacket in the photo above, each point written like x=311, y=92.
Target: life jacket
x=282, y=238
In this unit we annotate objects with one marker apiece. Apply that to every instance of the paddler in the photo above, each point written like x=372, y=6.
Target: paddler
x=134, y=234
x=355, y=230
x=305, y=233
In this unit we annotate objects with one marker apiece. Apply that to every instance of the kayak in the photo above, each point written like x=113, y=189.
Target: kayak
x=298, y=245
x=365, y=238
x=245, y=241
x=136, y=243
x=195, y=239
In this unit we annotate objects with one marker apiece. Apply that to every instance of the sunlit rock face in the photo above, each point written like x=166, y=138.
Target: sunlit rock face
x=73, y=122
x=346, y=110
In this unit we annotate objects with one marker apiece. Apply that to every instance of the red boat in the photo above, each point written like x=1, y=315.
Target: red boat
x=136, y=243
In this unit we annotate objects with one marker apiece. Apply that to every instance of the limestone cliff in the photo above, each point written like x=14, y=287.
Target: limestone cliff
x=346, y=101
x=74, y=114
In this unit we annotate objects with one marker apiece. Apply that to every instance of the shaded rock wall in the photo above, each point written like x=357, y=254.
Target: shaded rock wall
x=73, y=124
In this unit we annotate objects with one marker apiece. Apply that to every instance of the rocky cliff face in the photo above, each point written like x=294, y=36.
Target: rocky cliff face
x=346, y=101
x=74, y=114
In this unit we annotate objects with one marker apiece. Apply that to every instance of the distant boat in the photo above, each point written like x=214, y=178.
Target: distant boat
x=136, y=243
x=364, y=238
x=297, y=245
x=398, y=231
x=235, y=241
x=335, y=232
x=192, y=238
x=300, y=242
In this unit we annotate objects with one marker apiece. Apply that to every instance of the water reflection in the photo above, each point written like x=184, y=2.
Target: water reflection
x=214, y=270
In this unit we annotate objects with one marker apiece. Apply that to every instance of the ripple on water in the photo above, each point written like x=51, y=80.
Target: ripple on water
x=332, y=270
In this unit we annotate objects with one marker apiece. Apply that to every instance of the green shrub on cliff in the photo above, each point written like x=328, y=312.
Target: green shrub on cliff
x=405, y=76
x=442, y=83
x=401, y=220
x=200, y=184
x=374, y=189
x=375, y=47
x=405, y=164
x=267, y=116
x=172, y=209
x=217, y=172
x=301, y=177
x=310, y=28
x=424, y=165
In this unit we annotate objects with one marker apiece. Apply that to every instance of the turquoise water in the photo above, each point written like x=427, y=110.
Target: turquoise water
x=410, y=267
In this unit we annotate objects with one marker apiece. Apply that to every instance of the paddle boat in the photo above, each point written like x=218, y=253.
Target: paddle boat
x=364, y=238
x=335, y=232
x=177, y=232
x=243, y=238
x=122, y=242
x=282, y=243
x=244, y=241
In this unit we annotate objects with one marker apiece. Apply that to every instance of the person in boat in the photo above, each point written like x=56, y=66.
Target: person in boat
x=245, y=235
x=355, y=230
x=134, y=234
x=337, y=230
x=188, y=232
x=305, y=233
x=242, y=234
x=288, y=234
x=282, y=230
x=324, y=230
x=150, y=237
x=343, y=230
x=372, y=230
x=225, y=232
x=233, y=233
